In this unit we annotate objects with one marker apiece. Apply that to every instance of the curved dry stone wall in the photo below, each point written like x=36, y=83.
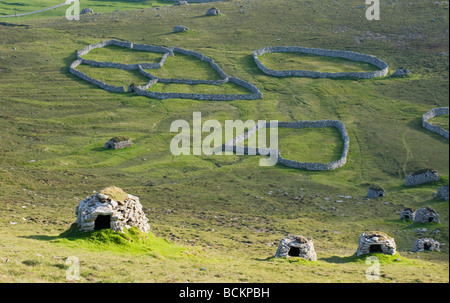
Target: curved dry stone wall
x=255, y=93
x=383, y=66
x=435, y=112
x=232, y=144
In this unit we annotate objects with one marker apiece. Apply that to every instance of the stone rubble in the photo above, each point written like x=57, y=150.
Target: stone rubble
x=426, y=244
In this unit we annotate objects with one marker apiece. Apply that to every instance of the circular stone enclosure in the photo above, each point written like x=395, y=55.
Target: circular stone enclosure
x=382, y=66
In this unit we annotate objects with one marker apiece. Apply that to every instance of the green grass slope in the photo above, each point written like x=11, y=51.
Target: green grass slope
x=226, y=212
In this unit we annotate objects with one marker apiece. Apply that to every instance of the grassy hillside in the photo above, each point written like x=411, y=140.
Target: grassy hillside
x=218, y=209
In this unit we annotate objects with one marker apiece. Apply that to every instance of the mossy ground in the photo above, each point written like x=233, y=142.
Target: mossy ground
x=53, y=127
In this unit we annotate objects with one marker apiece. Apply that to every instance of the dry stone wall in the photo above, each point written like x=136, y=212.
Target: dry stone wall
x=369, y=241
x=435, y=112
x=383, y=66
x=255, y=93
x=232, y=144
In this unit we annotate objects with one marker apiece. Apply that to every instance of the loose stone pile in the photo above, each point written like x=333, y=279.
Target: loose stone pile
x=376, y=242
x=118, y=143
x=407, y=214
x=422, y=176
x=426, y=215
x=296, y=246
x=111, y=208
x=426, y=244
x=375, y=192
x=401, y=72
x=255, y=93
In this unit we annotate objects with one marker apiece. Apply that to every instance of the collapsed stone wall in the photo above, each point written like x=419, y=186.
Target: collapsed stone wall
x=435, y=112
x=383, y=66
x=231, y=145
x=143, y=90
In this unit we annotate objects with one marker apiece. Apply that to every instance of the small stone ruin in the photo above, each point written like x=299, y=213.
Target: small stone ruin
x=426, y=244
x=376, y=242
x=407, y=214
x=213, y=12
x=375, y=192
x=442, y=193
x=118, y=143
x=86, y=10
x=426, y=215
x=296, y=246
x=180, y=28
x=422, y=176
x=111, y=208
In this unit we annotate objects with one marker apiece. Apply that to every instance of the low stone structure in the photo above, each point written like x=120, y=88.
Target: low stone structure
x=407, y=214
x=426, y=215
x=376, y=242
x=442, y=193
x=243, y=150
x=426, y=244
x=118, y=143
x=86, y=10
x=254, y=92
x=111, y=208
x=422, y=176
x=401, y=72
x=375, y=192
x=296, y=246
x=383, y=66
x=213, y=12
x=180, y=28
x=435, y=112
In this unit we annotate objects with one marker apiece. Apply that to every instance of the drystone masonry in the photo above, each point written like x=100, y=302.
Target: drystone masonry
x=442, y=193
x=117, y=143
x=407, y=214
x=383, y=66
x=375, y=192
x=376, y=242
x=232, y=144
x=296, y=246
x=435, y=112
x=255, y=93
x=422, y=176
x=426, y=244
x=101, y=211
x=426, y=215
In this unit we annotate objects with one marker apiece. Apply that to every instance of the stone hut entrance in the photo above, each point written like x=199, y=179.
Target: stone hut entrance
x=375, y=248
x=294, y=252
x=102, y=222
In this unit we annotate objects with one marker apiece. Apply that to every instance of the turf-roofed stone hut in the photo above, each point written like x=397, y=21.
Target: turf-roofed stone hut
x=376, y=242
x=296, y=246
x=375, y=192
x=426, y=215
x=118, y=143
x=111, y=208
x=426, y=244
x=422, y=176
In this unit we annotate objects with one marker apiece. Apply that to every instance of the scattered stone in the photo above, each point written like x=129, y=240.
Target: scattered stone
x=426, y=215
x=401, y=72
x=182, y=3
x=426, y=244
x=213, y=12
x=376, y=242
x=407, y=214
x=296, y=246
x=442, y=193
x=180, y=28
x=111, y=208
x=86, y=11
x=118, y=143
x=375, y=192
x=422, y=176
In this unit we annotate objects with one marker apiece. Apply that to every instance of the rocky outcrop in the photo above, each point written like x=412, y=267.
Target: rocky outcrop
x=255, y=93
x=232, y=144
x=376, y=242
x=407, y=214
x=383, y=67
x=442, y=193
x=118, y=143
x=426, y=244
x=111, y=208
x=296, y=246
x=435, y=112
x=422, y=176
x=426, y=215
x=375, y=192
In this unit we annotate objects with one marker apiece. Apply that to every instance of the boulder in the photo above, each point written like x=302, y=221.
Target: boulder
x=180, y=28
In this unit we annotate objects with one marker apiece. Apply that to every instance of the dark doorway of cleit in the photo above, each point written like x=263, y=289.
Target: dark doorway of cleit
x=375, y=248
x=102, y=222
x=294, y=252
